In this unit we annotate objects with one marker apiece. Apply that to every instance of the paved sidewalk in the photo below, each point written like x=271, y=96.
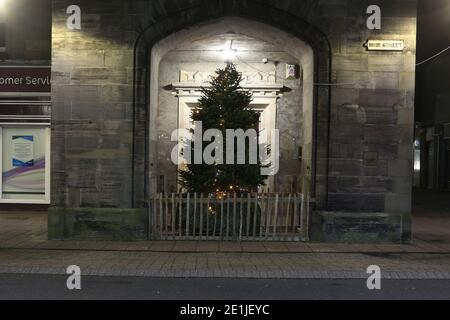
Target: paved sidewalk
x=29, y=231
x=25, y=250
x=226, y=265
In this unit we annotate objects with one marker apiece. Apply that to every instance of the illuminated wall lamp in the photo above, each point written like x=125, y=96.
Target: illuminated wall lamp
x=228, y=54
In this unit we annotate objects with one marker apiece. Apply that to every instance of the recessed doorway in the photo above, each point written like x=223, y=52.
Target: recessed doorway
x=183, y=63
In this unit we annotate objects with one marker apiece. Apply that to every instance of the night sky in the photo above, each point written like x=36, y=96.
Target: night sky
x=433, y=31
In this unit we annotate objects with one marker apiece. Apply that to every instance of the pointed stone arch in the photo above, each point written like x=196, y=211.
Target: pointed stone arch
x=207, y=12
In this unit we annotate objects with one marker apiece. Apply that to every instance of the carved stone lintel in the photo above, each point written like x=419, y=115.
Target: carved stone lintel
x=255, y=77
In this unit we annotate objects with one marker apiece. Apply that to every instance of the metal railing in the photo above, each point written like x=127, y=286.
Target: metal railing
x=232, y=217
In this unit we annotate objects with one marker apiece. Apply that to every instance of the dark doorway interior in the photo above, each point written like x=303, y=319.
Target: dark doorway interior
x=447, y=166
x=431, y=217
x=431, y=197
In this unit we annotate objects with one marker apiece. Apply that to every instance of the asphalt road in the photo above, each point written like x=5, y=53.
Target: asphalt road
x=43, y=287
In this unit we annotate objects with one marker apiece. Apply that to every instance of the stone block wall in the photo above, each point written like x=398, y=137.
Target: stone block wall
x=372, y=110
x=97, y=224
x=92, y=95
x=366, y=166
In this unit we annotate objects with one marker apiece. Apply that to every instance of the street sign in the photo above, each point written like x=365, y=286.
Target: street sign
x=385, y=45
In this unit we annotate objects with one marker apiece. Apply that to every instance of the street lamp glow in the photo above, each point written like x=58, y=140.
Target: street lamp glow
x=229, y=53
x=2, y=9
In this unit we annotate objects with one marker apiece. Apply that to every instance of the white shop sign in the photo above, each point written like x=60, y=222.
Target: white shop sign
x=385, y=45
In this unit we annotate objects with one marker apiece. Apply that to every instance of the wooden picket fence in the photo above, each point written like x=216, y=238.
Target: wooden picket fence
x=232, y=217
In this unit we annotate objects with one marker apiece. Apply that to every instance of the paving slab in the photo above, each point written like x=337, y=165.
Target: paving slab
x=431, y=230
x=234, y=265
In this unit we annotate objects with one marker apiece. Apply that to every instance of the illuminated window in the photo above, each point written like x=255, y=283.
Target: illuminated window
x=25, y=164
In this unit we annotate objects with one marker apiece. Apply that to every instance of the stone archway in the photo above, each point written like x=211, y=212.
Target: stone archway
x=273, y=19
x=265, y=91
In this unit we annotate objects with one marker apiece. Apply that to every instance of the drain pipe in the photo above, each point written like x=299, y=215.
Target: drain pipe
x=315, y=119
x=135, y=88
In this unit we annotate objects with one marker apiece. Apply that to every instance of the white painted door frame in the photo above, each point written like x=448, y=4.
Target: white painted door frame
x=265, y=98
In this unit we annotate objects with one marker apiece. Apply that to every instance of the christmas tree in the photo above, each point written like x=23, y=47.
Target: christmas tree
x=224, y=105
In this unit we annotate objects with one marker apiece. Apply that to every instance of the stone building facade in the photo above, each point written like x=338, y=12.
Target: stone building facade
x=355, y=107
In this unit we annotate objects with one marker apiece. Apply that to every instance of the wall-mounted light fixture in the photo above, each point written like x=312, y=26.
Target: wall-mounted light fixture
x=292, y=71
x=228, y=54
